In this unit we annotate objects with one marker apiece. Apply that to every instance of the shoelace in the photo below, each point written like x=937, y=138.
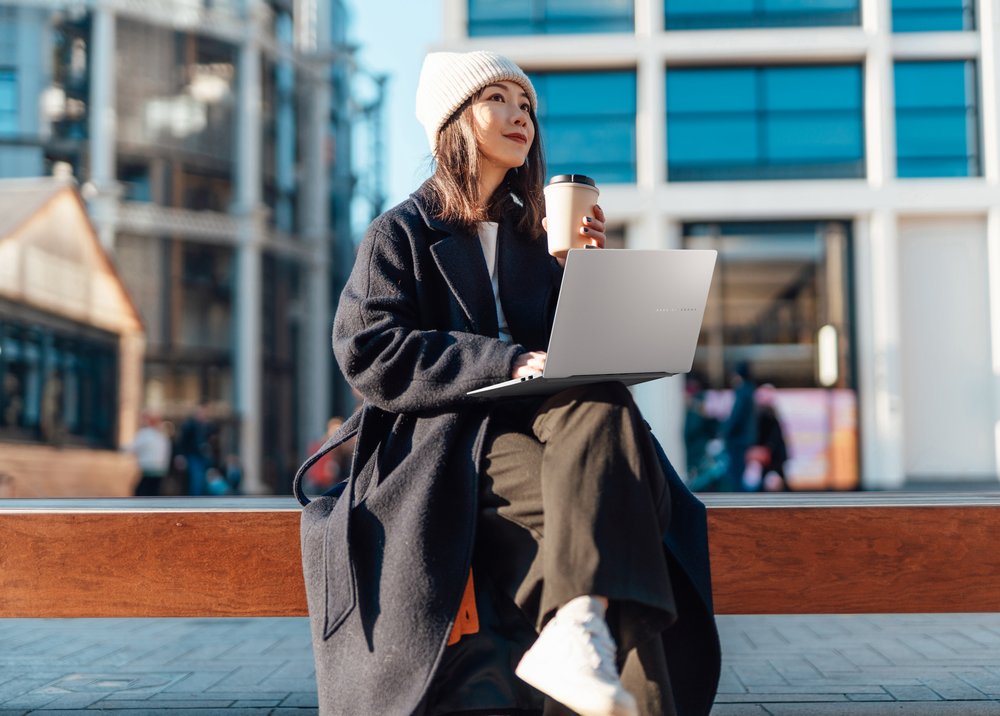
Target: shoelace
x=601, y=652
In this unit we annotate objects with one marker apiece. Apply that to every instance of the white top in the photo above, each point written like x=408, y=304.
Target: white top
x=151, y=448
x=488, y=240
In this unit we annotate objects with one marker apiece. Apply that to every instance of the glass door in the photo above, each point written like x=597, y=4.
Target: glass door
x=779, y=312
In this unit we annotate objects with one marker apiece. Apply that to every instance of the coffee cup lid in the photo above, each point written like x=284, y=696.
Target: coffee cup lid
x=574, y=178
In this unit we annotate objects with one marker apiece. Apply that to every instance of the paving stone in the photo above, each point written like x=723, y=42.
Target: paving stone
x=754, y=674
x=766, y=698
x=952, y=688
x=164, y=705
x=828, y=662
x=18, y=686
x=863, y=656
x=794, y=668
x=818, y=687
x=221, y=695
x=256, y=703
x=308, y=699
x=881, y=695
x=945, y=708
x=196, y=682
x=912, y=693
x=729, y=682
x=738, y=710
x=982, y=680
x=308, y=685
x=29, y=701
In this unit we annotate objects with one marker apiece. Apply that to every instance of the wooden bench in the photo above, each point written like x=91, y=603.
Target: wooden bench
x=780, y=554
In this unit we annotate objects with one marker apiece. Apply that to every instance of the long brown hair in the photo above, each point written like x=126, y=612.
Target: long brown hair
x=456, y=180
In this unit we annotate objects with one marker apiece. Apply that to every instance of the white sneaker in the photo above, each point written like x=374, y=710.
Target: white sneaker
x=573, y=661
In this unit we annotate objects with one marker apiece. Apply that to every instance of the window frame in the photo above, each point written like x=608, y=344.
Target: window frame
x=13, y=113
x=628, y=119
x=61, y=342
x=973, y=120
x=763, y=115
x=541, y=22
x=968, y=12
x=759, y=17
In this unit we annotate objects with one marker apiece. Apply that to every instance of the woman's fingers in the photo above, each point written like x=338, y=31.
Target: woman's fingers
x=529, y=364
x=593, y=227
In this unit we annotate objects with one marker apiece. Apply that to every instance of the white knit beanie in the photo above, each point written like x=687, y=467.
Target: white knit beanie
x=447, y=79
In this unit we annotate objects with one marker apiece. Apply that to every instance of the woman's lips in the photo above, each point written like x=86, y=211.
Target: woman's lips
x=517, y=138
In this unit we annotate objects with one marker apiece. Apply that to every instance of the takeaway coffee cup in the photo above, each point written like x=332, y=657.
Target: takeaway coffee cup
x=568, y=198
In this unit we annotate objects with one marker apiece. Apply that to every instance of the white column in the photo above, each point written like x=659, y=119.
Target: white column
x=648, y=18
x=103, y=190
x=455, y=19
x=661, y=401
x=993, y=254
x=879, y=109
x=316, y=356
x=989, y=73
x=247, y=364
x=878, y=335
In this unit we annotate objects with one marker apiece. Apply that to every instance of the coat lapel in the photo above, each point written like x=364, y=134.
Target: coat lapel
x=459, y=258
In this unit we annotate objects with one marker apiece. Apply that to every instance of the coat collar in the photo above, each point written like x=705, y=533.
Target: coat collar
x=459, y=257
x=524, y=276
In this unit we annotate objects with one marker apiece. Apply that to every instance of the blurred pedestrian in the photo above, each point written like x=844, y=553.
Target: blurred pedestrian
x=773, y=452
x=332, y=467
x=739, y=430
x=232, y=471
x=194, y=445
x=151, y=448
x=699, y=429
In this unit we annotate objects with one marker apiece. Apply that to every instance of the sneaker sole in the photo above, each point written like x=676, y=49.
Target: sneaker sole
x=566, y=695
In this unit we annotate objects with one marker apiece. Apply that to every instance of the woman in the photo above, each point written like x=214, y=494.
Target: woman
x=572, y=519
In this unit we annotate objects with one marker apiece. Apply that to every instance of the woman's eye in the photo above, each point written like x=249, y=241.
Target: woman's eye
x=526, y=107
x=497, y=96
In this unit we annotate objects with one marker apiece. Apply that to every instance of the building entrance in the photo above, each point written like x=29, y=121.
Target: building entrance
x=780, y=308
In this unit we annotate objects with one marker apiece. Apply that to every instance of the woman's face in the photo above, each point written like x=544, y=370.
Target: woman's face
x=502, y=124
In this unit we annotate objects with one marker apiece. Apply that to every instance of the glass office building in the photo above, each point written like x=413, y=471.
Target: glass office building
x=843, y=157
x=201, y=133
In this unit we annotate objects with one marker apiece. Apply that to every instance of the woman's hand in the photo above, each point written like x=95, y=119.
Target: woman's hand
x=591, y=227
x=531, y=363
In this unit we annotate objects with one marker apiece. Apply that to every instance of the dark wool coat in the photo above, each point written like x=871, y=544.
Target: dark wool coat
x=386, y=563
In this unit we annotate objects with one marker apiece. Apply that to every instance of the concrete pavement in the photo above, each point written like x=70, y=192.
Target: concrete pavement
x=915, y=665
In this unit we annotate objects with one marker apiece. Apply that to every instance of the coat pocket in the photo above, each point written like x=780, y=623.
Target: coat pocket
x=331, y=590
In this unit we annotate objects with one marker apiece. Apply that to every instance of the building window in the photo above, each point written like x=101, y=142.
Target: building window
x=581, y=136
x=699, y=14
x=58, y=383
x=135, y=180
x=549, y=17
x=937, y=119
x=933, y=15
x=740, y=123
x=8, y=102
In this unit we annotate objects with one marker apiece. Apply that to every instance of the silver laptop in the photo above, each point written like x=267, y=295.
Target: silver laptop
x=623, y=314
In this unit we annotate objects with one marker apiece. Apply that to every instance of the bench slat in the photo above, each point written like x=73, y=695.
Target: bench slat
x=843, y=560
x=795, y=559
x=151, y=564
